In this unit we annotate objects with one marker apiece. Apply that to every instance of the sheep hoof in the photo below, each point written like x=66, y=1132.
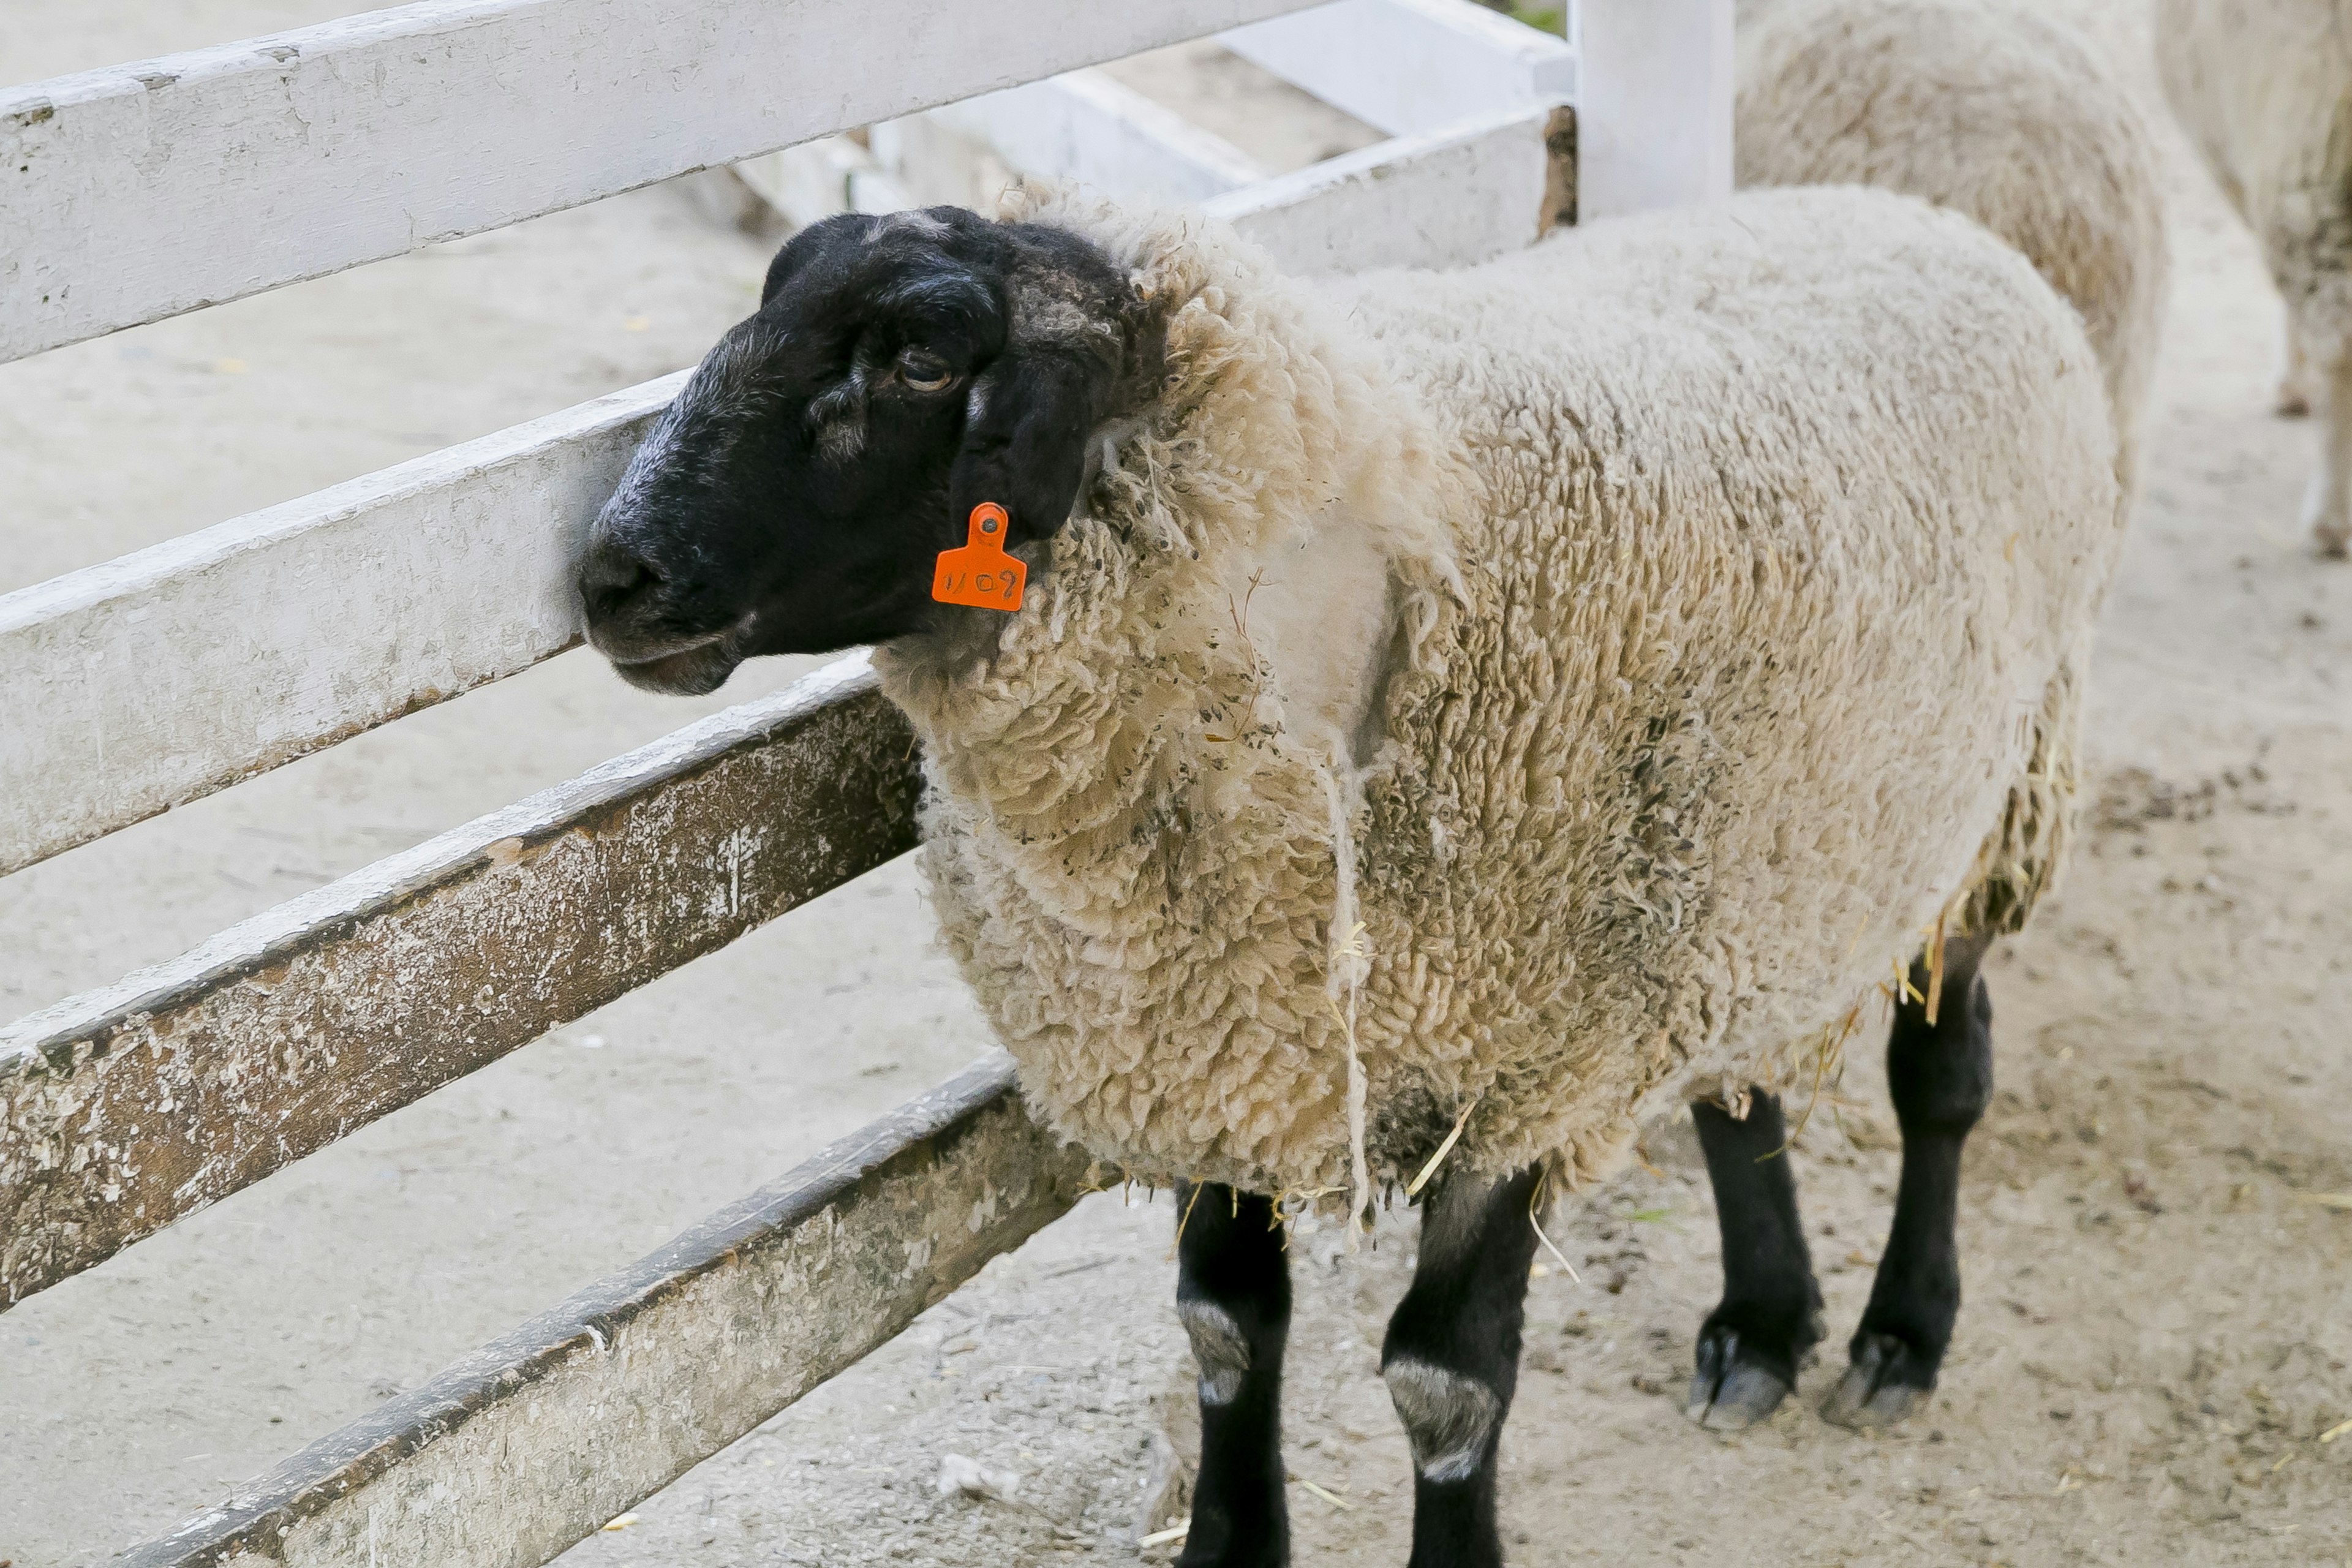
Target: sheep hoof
x=2291, y=403
x=1881, y=1387
x=1732, y=1390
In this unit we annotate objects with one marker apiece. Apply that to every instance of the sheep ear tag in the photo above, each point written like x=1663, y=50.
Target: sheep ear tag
x=980, y=573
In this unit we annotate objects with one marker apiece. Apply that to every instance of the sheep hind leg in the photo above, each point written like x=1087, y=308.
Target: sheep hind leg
x=2292, y=400
x=1939, y=1075
x=2327, y=505
x=1749, y=1347
x=1232, y=1292
x=1452, y=1359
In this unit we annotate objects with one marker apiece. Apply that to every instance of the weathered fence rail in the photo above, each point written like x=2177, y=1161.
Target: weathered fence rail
x=530, y=1443
x=182, y=668
x=356, y=140
x=131, y=194
x=129, y=1107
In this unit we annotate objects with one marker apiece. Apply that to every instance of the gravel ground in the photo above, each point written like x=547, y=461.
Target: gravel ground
x=2156, y=1334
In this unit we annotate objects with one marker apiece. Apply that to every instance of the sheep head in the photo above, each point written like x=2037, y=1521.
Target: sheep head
x=899, y=371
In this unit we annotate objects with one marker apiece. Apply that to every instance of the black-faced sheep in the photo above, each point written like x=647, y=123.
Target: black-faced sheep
x=1458, y=714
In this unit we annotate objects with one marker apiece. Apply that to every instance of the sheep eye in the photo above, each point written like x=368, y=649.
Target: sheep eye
x=924, y=372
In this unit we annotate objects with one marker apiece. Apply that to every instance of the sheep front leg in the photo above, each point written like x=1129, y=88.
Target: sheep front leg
x=1939, y=1075
x=1452, y=1359
x=2328, y=507
x=1232, y=1292
x=1770, y=1316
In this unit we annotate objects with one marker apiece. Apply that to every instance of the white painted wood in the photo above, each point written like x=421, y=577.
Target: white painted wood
x=1080, y=125
x=140, y=191
x=1449, y=198
x=159, y=678
x=530, y=1443
x=818, y=179
x=1408, y=67
x=1087, y=126
x=164, y=675
x=128, y=1107
x=1653, y=109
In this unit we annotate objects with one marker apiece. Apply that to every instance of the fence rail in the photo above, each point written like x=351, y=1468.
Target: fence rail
x=137, y=192
x=128, y=1107
x=533, y=1441
x=168, y=674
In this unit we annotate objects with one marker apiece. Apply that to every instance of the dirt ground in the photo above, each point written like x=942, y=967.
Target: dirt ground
x=2158, y=1327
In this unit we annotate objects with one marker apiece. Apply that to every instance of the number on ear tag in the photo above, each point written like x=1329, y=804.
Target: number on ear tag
x=980, y=573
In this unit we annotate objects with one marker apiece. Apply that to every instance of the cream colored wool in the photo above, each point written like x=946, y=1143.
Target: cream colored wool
x=2264, y=89
x=1992, y=107
x=1672, y=604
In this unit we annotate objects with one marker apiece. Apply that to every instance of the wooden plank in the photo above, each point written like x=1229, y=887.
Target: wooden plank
x=140, y=191
x=1446, y=199
x=818, y=179
x=163, y=676
x=1089, y=127
x=532, y=1442
x=1082, y=125
x=1653, y=109
x=127, y=1108
x=1409, y=67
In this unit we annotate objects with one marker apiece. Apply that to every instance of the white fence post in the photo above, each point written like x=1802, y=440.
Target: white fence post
x=1654, y=103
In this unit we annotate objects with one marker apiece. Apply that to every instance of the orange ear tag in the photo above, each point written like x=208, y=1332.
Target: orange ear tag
x=980, y=573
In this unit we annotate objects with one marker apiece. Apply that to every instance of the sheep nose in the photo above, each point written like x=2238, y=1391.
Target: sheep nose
x=611, y=577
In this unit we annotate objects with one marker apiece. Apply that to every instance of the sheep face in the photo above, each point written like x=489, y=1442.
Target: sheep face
x=900, y=372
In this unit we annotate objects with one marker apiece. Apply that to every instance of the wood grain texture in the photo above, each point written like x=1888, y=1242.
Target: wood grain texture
x=127, y=1108
x=140, y=191
x=532, y=1442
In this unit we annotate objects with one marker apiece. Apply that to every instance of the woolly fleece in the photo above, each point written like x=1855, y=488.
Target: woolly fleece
x=1728, y=557
x=2264, y=89
x=1991, y=108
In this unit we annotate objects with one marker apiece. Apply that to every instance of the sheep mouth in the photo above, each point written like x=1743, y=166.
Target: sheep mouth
x=690, y=672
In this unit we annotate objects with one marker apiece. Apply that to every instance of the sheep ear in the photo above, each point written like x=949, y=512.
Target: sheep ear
x=1024, y=440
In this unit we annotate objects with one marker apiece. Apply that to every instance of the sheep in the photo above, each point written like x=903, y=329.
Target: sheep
x=2264, y=89
x=1449, y=719
x=1991, y=108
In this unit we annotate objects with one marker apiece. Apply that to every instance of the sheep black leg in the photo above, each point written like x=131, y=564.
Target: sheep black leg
x=1770, y=1317
x=1940, y=1076
x=1233, y=1291
x=1452, y=1359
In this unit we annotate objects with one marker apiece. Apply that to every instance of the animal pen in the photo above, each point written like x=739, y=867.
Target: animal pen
x=135, y=192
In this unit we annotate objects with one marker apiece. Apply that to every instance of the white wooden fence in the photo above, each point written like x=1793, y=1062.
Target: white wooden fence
x=135, y=192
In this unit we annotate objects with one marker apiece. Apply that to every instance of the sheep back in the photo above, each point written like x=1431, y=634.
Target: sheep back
x=1987, y=107
x=2264, y=89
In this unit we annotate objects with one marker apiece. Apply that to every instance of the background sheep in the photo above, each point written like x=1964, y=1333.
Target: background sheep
x=2264, y=88
x=1990, y=107
x=1441, y=735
